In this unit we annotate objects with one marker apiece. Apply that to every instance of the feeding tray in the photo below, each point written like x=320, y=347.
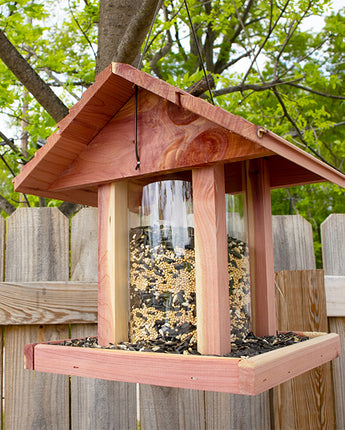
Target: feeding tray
x=248, y=376
x=166, y=171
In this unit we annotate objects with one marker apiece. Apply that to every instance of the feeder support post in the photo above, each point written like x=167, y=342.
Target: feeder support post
x=211, y=261
x=112, y=263
x=259, y=216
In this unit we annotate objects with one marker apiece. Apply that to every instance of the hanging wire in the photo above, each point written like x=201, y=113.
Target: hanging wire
x=149, y=35
x=140, y=63
x=136, y=129
x=199, y=50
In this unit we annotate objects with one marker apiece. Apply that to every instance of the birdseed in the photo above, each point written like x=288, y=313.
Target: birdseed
x=162, y=286
x=246, y=347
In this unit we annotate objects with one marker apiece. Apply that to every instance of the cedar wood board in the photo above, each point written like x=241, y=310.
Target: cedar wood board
x=249, y=376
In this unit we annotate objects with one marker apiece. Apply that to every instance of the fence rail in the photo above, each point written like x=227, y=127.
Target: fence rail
x=47, y=295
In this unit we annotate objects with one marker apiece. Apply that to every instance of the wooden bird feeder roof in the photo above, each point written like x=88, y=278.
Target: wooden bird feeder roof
x=94, y=143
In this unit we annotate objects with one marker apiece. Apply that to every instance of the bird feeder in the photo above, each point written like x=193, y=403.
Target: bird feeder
x=164, y=168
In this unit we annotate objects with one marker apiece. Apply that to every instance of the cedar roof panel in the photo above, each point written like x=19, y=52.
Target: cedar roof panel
x=80, y=135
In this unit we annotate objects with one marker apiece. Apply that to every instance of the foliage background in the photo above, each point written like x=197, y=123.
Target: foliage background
x=280, y=64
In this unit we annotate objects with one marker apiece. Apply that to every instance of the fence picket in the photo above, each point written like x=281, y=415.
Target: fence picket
x=171, y=408
x=333, y=251
x=237, y=412
x=306, y=401
x=293, y=243
x=36, y=250
x=95, y=404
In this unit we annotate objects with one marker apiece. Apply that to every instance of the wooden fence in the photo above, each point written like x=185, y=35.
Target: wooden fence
x=49, y=292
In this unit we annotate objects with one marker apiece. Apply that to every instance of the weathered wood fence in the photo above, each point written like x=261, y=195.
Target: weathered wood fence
x=49, y=269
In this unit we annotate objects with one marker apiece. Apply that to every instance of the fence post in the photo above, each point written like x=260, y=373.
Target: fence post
x=36, y=250
x=95, y=404
x=333, y=252
x=305, y=401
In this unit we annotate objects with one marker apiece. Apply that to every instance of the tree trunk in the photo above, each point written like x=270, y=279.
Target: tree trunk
x=123, y=25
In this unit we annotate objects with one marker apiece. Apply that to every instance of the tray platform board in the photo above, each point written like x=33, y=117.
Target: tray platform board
x=249, y=376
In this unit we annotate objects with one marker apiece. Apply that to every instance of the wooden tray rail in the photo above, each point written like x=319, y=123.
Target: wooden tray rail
x=250, y=376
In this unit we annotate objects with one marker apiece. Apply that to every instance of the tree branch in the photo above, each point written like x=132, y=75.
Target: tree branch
x=209, y=40
x=271, y=28
x=242, y=21
x=292, y=28
x=288, y=116
x=299, y=133
x=10, y=143
x=286, y=41
x=254, y=87
x=200, y=87
x=164, y=50
x=80, y=28
x=159, y=32
x=7, y=165
x=31, y=80
x=181, y=49
x=49, y=72
x=222, y=61
x=307, y=55
x=59, y=83
x=230, y=63
x=319, y=93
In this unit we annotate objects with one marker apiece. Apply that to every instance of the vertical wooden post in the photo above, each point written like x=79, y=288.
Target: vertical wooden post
x=112, y=263
x=212, y=278
x=259, y=215
x=333, y=251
